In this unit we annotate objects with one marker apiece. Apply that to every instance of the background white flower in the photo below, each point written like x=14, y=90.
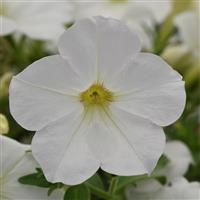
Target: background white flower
x=37, y=19
x=15, y=162
x=153, y=190
x=142, y=16
x=187, y=23
x=180, y=159
x=100, y=103
x=177, y=187
x=107, y=8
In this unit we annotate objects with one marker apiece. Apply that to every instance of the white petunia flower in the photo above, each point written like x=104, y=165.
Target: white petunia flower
x=107, y=8
x=153, y=190
x=157, y=10
x=15, y=163
x=100, y=103
x=188, y=23
x=141, y=16
x=37, y=19
x=180, y=158
x=177, y=187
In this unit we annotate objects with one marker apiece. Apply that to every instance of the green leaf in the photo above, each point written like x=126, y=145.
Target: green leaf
x=162, y=162
x=95, y=180
x=54, y=187
x=79, y=192
x=36, y=179
x=51, y=189
x=161, y=179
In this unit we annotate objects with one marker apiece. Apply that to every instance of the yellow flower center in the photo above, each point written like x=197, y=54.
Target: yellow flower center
x=96, y=94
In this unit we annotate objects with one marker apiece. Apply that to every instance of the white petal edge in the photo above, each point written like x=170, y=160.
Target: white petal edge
x=15, y=190
x=150, y=88
x=180, y=158
x=61, y=150
x=102, y=45
x=43, y=92
x=160, y=9
x=40, y=20
x=11, y=152
x=126, y=144
x=180, y=189
x=144, y=71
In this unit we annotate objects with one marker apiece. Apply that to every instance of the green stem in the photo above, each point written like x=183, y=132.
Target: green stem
x=113, y=185
x=100, y=193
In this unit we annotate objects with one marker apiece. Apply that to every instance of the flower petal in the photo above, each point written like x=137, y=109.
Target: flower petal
x=15, y=162
x=159, y=9
x=157, y=94
x=78, y=46
x=61, y=150
x=24, y=192
x=148, y=186
x=180, y=158
x=14, y=190
x=126, y=144
x=180, y=189
x=47, y=30
x=11, y=152
x=40, y=20
x=116, y=44
x=187, y=23
x=101, y=45
x=42, y=92
x=145, y=71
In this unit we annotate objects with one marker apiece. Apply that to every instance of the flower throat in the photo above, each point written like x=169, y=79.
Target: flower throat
x=96, y=94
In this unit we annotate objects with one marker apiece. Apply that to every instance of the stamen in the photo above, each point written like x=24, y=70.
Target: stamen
x=96, y=94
